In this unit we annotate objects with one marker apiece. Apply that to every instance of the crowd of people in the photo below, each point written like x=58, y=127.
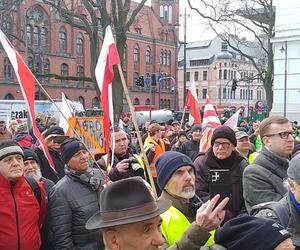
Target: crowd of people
x=242, y=193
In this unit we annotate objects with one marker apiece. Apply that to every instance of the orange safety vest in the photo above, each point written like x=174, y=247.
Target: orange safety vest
x=158, y=150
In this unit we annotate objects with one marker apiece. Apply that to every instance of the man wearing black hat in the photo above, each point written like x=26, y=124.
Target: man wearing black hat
x=54, y=136
x=289, y=204
x=74, y=199
x=129, y=216
x=21, y=214
x=191, y=147
x=188, y=222
x=222, y=155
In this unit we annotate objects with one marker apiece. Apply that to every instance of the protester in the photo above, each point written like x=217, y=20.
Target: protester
x=54, y=136
x=263, y=180
x=4, y=132
x=180, y=140
x=249, y=233
x=23, y=138
x=243, y=146
x=21, y=214
x=289, y=205
x=191, y=147
x=222, y=155
x=12, y=127
x=254, y=136
x=125, y=163
x=175, y=128
x=74, y=199
x=187, y=222
x=129, y=216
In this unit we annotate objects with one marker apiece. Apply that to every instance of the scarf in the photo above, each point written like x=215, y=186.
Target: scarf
x=88, y=178
x=295, y=203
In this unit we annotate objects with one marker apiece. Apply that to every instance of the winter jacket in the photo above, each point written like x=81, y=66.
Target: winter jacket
x=263, y=180
x=46, y=170
x=190, y=148
x=194, y=237
x=71, y=203
x=293, y=217
x=20, y=215
x=236, y=164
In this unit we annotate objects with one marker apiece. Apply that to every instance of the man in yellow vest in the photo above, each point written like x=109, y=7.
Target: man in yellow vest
x=125, y=163
x=188, y=222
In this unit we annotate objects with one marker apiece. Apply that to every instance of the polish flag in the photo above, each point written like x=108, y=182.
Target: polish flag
x=65, y=114
x=104, y=73
x=193, y=105
x=232, y=122
x=27, y=84
x=210, y=116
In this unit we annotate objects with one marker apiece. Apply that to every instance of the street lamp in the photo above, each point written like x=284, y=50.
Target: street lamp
x=284, y=49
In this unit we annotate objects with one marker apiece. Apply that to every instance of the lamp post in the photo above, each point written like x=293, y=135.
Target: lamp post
x=284, y=49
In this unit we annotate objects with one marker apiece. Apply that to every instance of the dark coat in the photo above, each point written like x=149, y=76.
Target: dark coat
x=47, y=171
x=263, y=180
x=190, y=148
x=236, y=164
x=72, y=202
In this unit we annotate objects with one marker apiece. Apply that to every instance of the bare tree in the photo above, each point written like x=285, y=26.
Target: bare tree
x=92, y=16
x=8, y=5
x=231, y=19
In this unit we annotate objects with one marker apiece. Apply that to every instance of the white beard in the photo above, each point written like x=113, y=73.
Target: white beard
x=37, y=175
x=188, y=194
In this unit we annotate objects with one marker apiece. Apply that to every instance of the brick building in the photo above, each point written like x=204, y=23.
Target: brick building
x=64, y=50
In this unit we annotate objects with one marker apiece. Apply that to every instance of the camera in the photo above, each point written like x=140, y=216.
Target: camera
x=134, y=164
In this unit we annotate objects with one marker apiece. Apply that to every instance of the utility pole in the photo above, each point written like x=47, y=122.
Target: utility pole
x=184, y=58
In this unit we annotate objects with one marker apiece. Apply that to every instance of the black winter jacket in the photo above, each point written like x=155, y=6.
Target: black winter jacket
x=190, y=148
x=72, y=202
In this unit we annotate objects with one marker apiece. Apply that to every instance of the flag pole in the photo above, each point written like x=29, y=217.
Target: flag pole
x=182, y=118
x=137, y=129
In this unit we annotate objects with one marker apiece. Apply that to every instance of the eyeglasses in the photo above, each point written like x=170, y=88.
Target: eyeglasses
x=283, y=135
x=224, y=145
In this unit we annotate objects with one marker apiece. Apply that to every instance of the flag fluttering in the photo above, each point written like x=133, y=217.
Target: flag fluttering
x=210, y=122
x=104, y=73
x=27, y=84
x=232, y=122
x=65, y=113
x=193, y=105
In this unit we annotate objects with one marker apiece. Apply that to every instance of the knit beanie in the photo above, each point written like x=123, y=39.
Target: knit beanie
x=248, y=233
x=168, y=163
x=9, y=147
x=196, y=127
x=223, y=132
x=30, y=155
x=55, y=130
x=69, y=147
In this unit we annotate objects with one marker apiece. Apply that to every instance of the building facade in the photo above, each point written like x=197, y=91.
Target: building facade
x=213, y=66
x=286, y=47
x=50, y=46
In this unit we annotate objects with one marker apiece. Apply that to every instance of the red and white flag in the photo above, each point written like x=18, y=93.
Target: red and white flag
x=65, y=114
x=27, y=84
x=193, y=105
x=232, y=122
x=210, y=116
x=104, y=73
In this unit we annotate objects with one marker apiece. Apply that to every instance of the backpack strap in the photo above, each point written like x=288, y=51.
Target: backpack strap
x=35, y=188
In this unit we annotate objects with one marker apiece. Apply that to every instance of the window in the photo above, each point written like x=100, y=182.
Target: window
x=166, y=12
x=95, y=102
x=80, y=71
x=28, y=34
x=148, y=56
x=64, y=71
x=79, y=45
x=46, y=69
x=225, y=74
x=147, y=102
x=188, y=76
x=7, y=25
x=136, y=101
x=224, y=46
x=169, y=58
x=81, y=100
x=8, y=70
x=204, y=75
x=43, y=39
x=9, y=96
x=224, y=93
x=62, y=39
x=161, y=11
x=166, y=58
x=196, y=76
x=204, y=93
x=136, y=54
x=168, y=103
x=36, y=36
x=161, y=58
x=170, y=14
x=220, y=74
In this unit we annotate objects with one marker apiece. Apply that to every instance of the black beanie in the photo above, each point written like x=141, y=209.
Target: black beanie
x=69, y=147
x=248, y=233
x=9, y=147
x=223, y=132
x=55, y=130
x=30, y=155
x=168, y=163
x=196, y=127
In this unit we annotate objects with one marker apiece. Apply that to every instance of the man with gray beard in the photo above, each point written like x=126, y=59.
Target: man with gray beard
x=188, y=222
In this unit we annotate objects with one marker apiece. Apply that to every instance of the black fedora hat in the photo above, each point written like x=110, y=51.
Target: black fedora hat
x=126, y=201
